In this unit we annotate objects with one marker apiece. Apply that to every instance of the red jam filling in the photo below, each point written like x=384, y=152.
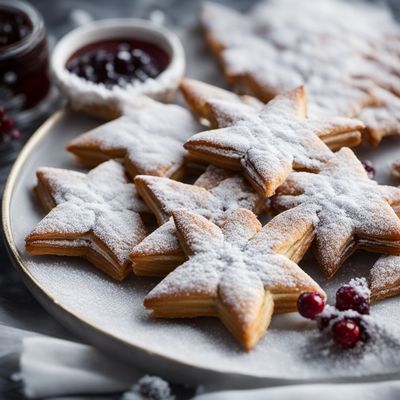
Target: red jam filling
x=118, y=61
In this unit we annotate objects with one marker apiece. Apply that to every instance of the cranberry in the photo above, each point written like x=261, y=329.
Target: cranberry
x=346, y=333
x=6, y=124
x=348, y=298
x=15, y=134
x=345, y=296
x=369, y=167
x=310, y=304
x=362, y=305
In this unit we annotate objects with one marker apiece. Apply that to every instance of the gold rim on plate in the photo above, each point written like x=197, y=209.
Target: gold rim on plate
x=44, y=297
x=175, y=370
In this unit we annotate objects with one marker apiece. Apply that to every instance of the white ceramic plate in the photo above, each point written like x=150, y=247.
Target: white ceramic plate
x=111, y=315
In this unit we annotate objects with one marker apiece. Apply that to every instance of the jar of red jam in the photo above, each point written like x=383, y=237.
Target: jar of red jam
x=24, y=72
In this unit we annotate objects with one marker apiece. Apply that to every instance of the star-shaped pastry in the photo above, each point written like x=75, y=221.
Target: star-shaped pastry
x=198, y=96
x=148, y=136
x=382, y=118
x=384, y=278
x=215, y=195
x=240, y=273
x=353, y=210
x=94, y=215
x=342, y=64
x=269, y=144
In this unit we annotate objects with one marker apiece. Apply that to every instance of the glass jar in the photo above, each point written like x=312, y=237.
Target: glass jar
x=24, y=67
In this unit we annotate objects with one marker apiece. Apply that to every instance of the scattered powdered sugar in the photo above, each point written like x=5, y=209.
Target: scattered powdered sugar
x=226, y=193
x=383, y=344
x=162, y=240
x=234, y=192
x=94, y=187
x=233, y=111
x=334, y=315
x=150, y=137
x=348, y=203
x=171, y=195
x=268, y=142
x=361, y=287
x=328, y=312
x=385, y=274
x=272, y=136
x=331, y=48
x=88, y=203
x=376, y=337
x=232, y=265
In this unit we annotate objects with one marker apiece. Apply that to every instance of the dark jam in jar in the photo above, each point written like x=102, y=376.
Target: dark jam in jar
x=118, y=61
x=14, y=26
x=24, y=77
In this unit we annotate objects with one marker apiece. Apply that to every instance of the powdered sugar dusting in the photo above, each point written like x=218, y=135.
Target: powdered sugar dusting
x=331, y=48
x=269, y=142
x=87, y=203
x=361, y=287
x=234, y=271
x=384, y=340
x=150, y=137
x=385, y=274
x=162, y=240
x=348, y=203
x=227, y=192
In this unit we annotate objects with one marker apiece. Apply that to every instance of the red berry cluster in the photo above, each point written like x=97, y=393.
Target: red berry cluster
x=345, y=320
x=7, y=129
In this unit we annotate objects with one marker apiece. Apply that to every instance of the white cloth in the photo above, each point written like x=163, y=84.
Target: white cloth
x=55, y=367
x=387, y=390
x=51, y=367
